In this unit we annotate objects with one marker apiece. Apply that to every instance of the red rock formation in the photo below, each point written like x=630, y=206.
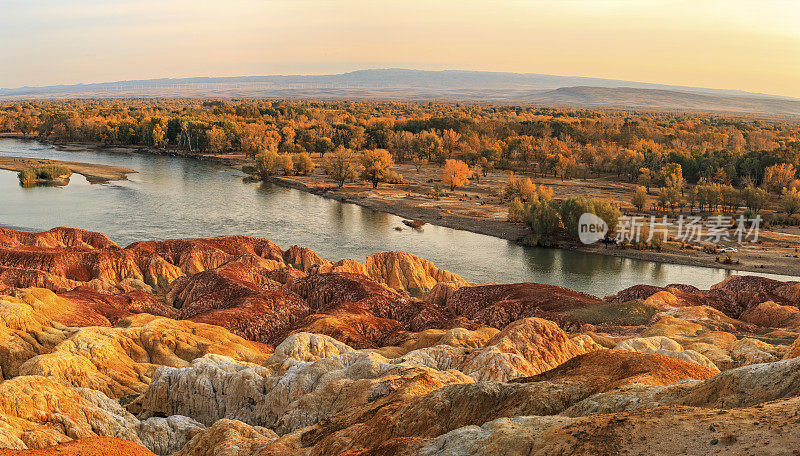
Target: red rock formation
x=732, y=297
x=499, y=305
x=33, y=278
x=341, y=293
x=90, y=446
x=61, y=237
x=196, y=255
x=114, y=307
x=304, y=258
x=753, y=290
x=241, y=298
x=408, y=273
x=108, y=267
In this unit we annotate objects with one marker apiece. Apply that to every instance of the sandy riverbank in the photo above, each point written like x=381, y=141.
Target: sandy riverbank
x=93, y=172
x=479, y=208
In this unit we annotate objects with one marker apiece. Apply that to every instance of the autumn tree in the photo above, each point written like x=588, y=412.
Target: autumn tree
x=401, y=145
x=217, y=140
x=488, y=160
x=671, y=177
x=427, y=146
x=790, y=200
x=302, y=163
x=257, y=138
x=450, y=142
x=340, y=166
x=267, y=163
x=455, y=174
x=645, y=178
x=285, y=164
x=778, y=176
x=376, y=166
x=159, y=136
x=639, y=198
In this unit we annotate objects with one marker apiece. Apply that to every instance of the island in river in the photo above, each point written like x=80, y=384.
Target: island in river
x=94, y=173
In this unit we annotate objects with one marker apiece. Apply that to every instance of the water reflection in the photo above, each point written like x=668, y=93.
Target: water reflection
x=172, y=197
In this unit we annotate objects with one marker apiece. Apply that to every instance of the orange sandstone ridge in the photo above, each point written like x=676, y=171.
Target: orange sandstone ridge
x=234, y=346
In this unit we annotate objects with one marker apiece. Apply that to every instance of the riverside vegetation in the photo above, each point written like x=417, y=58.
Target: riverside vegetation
x=235, y=346
x=608, y=162
x=44, y=175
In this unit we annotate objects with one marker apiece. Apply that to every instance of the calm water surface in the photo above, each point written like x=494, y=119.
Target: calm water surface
x=174, y=197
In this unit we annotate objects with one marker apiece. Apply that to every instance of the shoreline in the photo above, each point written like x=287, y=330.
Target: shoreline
x=406, y=208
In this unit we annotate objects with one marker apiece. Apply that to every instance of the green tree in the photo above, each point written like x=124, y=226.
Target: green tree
x=323, y=145
x=754, y=198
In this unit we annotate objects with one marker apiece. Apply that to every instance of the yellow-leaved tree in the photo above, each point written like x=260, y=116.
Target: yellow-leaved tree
x=456, y=173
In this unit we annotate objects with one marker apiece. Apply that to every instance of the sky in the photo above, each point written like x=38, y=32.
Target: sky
x=733, y=44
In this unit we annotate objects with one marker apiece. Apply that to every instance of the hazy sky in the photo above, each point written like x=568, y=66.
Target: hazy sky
x=749, y=45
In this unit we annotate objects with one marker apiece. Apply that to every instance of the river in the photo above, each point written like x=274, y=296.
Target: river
x=173, y=197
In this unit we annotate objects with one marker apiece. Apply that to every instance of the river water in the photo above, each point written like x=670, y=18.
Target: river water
x=173, y=197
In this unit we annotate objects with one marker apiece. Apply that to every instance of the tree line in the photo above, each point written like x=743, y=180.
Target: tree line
x=561, y=143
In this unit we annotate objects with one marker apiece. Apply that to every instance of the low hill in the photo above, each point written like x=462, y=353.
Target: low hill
x=447, y=86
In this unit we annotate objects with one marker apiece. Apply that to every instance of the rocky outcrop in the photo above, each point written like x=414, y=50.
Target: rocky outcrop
x=772, y=315
x=57, y=238
x=499, y=305
x=165, y=436
x=474, y=404
x=794, y=350
x=604, y=370
x=665, y=346
x=304, y=259
x=11, y=277
x=676, y=430
x=168, y=344
x=121, y=360
x=100, y=269
x=285, y=397
x=197, y=255
x=240, y=297
x=408, y=273
x=111, y=308
x=90, y=446
x=362, y=312
x=525, y=347
x=228, y=438
x=38, y=412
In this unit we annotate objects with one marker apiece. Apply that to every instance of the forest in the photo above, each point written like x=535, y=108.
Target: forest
x=685, y=160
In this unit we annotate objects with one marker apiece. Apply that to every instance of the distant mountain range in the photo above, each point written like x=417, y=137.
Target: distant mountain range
x=446, y=86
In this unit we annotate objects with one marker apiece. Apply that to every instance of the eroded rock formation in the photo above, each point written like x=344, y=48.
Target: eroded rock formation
x=232, y=346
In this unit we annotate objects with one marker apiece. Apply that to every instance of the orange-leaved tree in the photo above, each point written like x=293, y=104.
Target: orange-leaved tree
x=456, y=173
